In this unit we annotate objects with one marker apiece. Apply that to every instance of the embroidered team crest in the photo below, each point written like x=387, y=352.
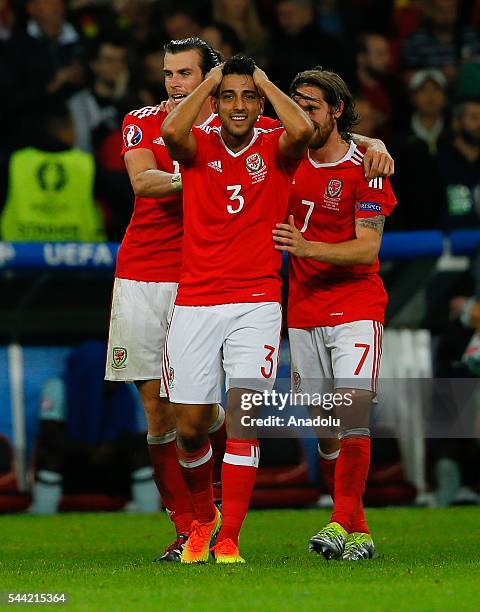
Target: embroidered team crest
x=119, y=357
x=171, y=377
x=254, y=162
x=132, y=135
x=296, y=382
x=334, y=187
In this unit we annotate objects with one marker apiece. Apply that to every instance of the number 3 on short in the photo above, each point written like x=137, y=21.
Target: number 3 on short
x=235, y=196
x=269, y=359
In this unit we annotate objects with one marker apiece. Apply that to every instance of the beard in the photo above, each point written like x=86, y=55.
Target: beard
x=322, y=133
x=471, y=138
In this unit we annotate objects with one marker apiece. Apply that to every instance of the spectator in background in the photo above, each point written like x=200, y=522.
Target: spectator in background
x=89, y=440
x=330, y=17
x=96, y=110
x=149, y=85
x=417, y=182
x=44, y=61
x=7, y=20
x=299, y=43
x=242, y=16
x=367, y=118
x=374, y=83
x=50, y=188
x=221, y=37
x=441, y=42
x=181, y=23
x=460, y=168
x=139, y=19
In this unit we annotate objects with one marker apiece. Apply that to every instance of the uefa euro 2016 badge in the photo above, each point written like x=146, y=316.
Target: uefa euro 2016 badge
x=119, y=357
x=132, y=135
x=334, y=187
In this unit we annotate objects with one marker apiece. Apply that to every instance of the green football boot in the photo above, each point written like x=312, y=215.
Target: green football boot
x=329, y=541
x=358, y=546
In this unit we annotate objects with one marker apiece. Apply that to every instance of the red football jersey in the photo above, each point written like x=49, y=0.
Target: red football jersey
x=231, y=203
x=325, y=200
x=151, y=249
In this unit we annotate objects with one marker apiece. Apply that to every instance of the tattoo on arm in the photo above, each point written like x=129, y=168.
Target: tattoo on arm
x=374, y=223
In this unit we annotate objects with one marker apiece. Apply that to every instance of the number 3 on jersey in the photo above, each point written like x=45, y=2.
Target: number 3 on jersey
x=235, y=189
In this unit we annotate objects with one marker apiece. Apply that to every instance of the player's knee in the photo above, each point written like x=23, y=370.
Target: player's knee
x=192, y=432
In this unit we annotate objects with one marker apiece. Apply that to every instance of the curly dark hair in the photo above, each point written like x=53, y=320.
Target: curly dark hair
x=239, y=64
x=335, y=91
x=209, y=56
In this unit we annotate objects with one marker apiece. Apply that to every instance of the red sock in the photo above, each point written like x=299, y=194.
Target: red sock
x=197, y=471
x=170, y=482
x=351, y=474
x=218, y=439
x=327, y=468
x=238, y=478
x=359, y=522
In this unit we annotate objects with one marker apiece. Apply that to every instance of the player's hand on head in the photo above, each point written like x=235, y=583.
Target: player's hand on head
x=215, y=75
x=259, y=78
x=377, y=161
x=289, y=238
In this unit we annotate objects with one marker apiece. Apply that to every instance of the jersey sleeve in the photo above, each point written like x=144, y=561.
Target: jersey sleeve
x=288, y=165
x=374, y=197
x=136, y=133
x=202, y=136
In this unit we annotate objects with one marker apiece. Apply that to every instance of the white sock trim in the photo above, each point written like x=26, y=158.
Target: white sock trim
x=48, y=477
x=170, y=436
x=355, y=432
x=197, y=462
x=219, y=421
x=252, y=461
x=328, y=456
x=143, y=474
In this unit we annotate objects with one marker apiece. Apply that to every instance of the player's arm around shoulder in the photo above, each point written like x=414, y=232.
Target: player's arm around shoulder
x=294, y=141
x=377, y=161
x=146, y=179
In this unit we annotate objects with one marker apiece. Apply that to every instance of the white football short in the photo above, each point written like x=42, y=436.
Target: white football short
x=207, y=344
x=138, y=327
x=349, y=354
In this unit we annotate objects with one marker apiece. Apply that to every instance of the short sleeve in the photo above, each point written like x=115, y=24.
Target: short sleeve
x=374, y=197
x=136, y=133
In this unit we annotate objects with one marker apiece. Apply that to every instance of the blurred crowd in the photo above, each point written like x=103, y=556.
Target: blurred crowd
x=71, y=69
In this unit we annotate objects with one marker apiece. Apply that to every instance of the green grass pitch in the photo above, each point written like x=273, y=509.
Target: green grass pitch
x=427, y=560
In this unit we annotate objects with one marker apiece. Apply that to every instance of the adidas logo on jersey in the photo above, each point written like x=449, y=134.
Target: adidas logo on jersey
x=216, y=165
x=159, y=141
